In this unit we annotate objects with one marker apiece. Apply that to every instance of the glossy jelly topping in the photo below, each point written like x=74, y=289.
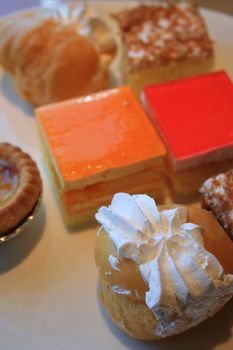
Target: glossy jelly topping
x=194, y=117
x=97, y=134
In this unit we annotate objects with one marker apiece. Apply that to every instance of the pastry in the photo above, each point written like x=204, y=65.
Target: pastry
x=196, y=127
x=162, y=42
x=162, y=270
x=217, y=196
x=96, y=145
x=42, y=54
x=20, y=186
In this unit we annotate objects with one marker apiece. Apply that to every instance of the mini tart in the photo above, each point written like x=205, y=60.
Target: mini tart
x=20, y=186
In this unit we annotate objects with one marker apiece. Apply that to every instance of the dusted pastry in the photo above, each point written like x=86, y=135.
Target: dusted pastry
x=217, y=196
x=162, y=270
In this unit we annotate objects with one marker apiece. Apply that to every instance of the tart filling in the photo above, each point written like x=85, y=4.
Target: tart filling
x=20, y=186
x=8, y=181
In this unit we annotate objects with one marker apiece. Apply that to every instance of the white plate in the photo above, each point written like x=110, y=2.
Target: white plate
x=48, y=279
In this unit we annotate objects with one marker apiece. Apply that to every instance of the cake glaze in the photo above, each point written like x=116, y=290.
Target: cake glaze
x=193, y=123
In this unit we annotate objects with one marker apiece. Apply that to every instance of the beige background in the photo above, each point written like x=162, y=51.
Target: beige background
x=219, y=5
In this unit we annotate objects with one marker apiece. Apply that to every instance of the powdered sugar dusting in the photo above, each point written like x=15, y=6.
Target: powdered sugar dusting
x=136, y=54
x=164, y=23
x=144, y=35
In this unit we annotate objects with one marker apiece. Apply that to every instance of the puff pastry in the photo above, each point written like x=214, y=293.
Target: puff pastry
x=50, y=61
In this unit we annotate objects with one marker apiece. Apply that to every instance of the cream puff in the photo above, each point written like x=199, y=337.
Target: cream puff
x=162, y=270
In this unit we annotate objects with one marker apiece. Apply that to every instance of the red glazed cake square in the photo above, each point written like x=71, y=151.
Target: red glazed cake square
x=194, y=118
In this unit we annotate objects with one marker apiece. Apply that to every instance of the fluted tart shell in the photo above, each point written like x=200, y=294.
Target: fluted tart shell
x=20, y=186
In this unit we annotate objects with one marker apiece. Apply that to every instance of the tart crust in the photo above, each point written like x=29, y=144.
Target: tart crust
x=29, y=186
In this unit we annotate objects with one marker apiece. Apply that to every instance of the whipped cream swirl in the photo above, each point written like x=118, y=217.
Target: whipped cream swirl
x=186, y=282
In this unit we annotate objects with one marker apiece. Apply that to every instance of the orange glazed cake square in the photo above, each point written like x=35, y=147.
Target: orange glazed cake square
x=98, y=145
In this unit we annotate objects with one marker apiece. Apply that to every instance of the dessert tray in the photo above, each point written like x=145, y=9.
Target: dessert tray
x=49, y=281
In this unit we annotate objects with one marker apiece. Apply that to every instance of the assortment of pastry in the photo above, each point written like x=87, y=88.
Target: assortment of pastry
x=163, y=269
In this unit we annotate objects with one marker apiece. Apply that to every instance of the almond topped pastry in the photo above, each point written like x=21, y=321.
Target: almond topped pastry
x=162, y=41
x=20, y=186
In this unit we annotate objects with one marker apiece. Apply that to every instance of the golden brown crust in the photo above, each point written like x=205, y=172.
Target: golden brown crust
x=164, y=33
x=134, y=318
x=29, y=187
x=215, y=239
x=50, y=65
x=129, y=277
x=72, y=62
